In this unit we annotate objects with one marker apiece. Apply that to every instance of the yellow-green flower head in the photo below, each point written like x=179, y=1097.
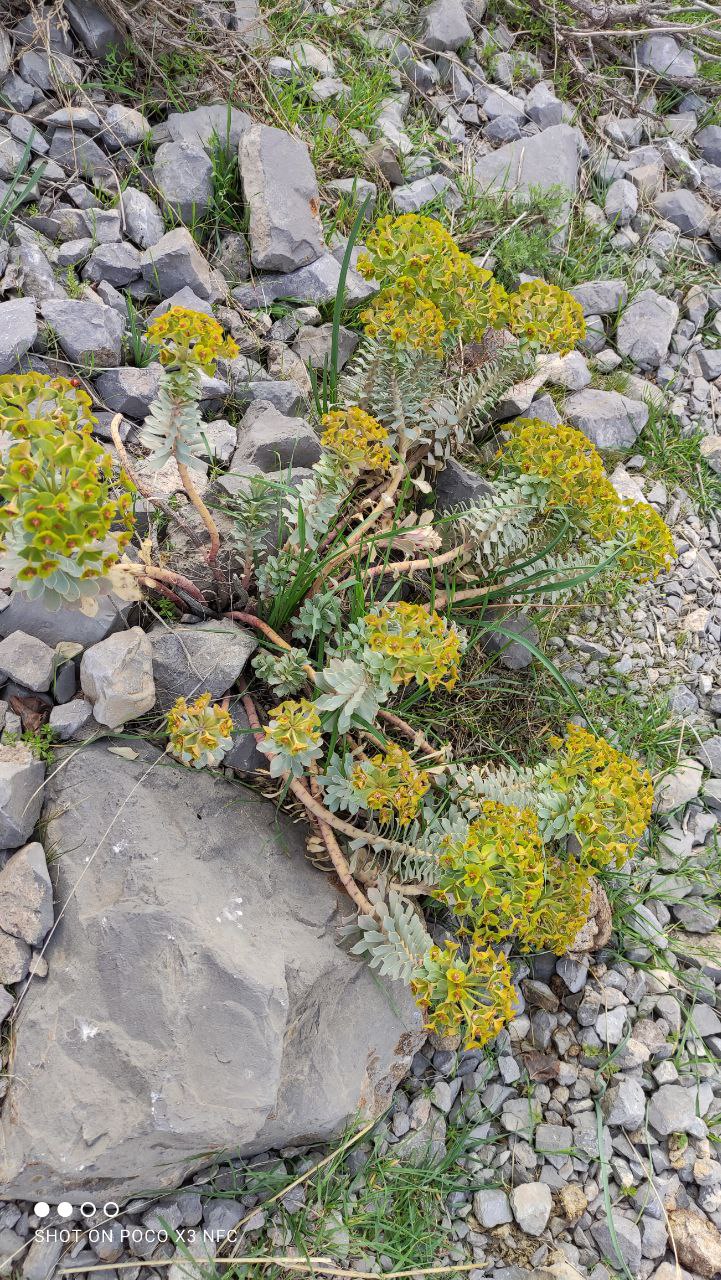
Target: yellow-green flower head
x=650, y=546
x=359, y=440
x=416, y=643
x=391, y=783
x=473, y=996
x=560, y=911
x=610, y=796
x=429, y=288
x=564, y=458
x=190, y=338
x=545, y=316
x=295, y=726
x=494, y=875
x=199, y=735
x=29, y=398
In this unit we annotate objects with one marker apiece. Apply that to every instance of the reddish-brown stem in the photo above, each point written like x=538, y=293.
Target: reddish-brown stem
x=166, y=575
x=338, y=859
x=416, y=737
x=203, y=512
x=250, y=620
x=153, y=584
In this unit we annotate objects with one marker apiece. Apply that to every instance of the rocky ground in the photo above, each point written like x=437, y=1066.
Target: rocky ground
x=585, y=1142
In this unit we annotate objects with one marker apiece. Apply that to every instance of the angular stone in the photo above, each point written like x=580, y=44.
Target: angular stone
x=128, y=390
x=14, y=958
x=124, y=127
x=78, y=153
x=645, y=329
x=672, y=1109
x=709, y=362
x=73, y=719
x=26, y=896
x=710, y=449
x=532, y=1203
x=514, y=654
x=601, y=297
x=543, y=107
x=117, y=677
x=21, y=779
x=414, y=196
x=143, y=219
x=289, y=1036
x=627, y=1240
x=457, y=486
x=208, y=126
x=547, y=160
x=189, y=661
x=6, y=1004
x=664, y=54
x=621, y=202
x=313, y=345
x=88, y=332
x=18, y=331
x=709, y=753
x=92, y=27
x=281, y=193
x=251, y=29
x=552, y=1139
x=118, y=264
x=492, y=1208
x=685, y=210
x=184, y=176
x=677, y=787
x=174, y=262
x=499, y=104
x=316, y=283
x=624, y=1103
x=444, y=25
x=53, y=626
x=696, y=916
x=610, y=420
x=708, y=141
x=27, y=660
x=269, y=440
x=696, y=1240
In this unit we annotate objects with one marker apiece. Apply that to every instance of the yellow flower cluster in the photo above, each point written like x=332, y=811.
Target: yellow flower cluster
x=295, y=727
x=199, y=735
x=546, y=316
x=473, y=996
x=391, y=783
x=561, y=909
x=29, y=398
x=494, y=876
x=415, y=643
x=358, y=439
x=575, y=479
x=428, y=286
x=187, y=337
x=609, y=796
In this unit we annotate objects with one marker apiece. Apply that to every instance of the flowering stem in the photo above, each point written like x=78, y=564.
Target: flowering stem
x=202, y=510
x=340, y=864
x=384, y=502
x=410, y=566
x=143, y=488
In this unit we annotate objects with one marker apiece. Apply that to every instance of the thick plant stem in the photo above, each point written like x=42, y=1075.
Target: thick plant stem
x=471, y=593
x=202, y=510
x=140, y=570
x=384, y=503
x=143, y=488
x=418, y=739
x=410, y=566
x=340, y=864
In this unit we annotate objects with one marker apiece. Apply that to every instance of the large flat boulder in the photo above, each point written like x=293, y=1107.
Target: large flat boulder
x=548, y=159
x=196, y=1000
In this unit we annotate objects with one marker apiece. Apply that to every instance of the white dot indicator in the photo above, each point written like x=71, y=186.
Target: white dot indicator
x=42, y=1209
x=65, y=1209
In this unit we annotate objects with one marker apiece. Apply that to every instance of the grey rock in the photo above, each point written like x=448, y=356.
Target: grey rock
x=102, y=225
x=492, y=1208
x=21, y=778
x=83, y=118
x=502, y=129
x=220, y=438
x=664, y=54
x=174, y=262
x=621, y=202
x=501, y=104
x=531, y=1203
x=36, y=274
x=269, y=440
x=306, y=56
x=124, y=127
x=48, y=70
x=678, y=786
x=89, y=333
x=183, y=298
x=316, y=283
x=189, y=661
x=697, y=917
x=244, y=755
x=27, y=660
x=207, y=126
x=545, y=410
x=268, y=1000
x=184, y=176
x=63, y=624
x=552, y=1139
x=286, y=396
x=78, y=153
x=18, y=331
x=313, y=345
x=624, y=1103
x=709, y=362
x=573, y=972
x=281, y=193
x=444, y=25
x=414, y=196
x=26, y=895
x=233, y=257
x=92, y=27
x=709, y=753
x=118, y=264
x=6, y=1004
x=457, y=486
x=514, y=654
x=627, y=1235
x=610, y=1025
x=355, y=191
x=251, y=29
x=547, y=160
x=117, y=676
x=672, y=1109
x=128, y=390
x=143, y=220
x=73, y=719
x=645, y=329
x=610, y=420
x=14, y=958
x=708, y=141
x=685, y=210
x=543, y=107
x=710, y=449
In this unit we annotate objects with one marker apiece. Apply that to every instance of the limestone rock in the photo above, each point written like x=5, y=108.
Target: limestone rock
x=445, y=25
x=196, y=960
x=697, y=1241
x=21, y=779
x=531, y=1203
x=547, y=160
x=270, y=440
x=117, y=677
x=26, y=895
x=174, y=262
x=610, y=420
x=143, y=219
x=188, y=661
x=89, y=333
x=18, y=331
x=645, y=328
x=28, y=660
x=664, y=54
x=281, y=191
x=184, y=176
